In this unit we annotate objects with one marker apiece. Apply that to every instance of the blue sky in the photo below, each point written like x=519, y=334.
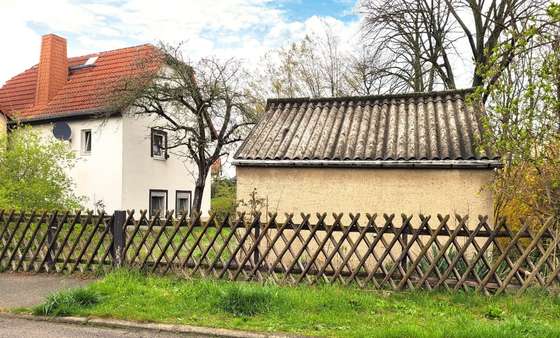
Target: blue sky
x=245, y=29
x=301, y=9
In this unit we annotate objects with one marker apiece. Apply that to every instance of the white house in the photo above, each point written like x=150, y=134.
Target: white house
x=122, y=162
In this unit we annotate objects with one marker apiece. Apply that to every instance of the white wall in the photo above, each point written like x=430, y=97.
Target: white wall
x=141, y=172
x=98, y=176
x=120, y=171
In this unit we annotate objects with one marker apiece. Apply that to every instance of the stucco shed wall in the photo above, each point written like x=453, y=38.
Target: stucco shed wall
x=3, y=123
x=409, y=191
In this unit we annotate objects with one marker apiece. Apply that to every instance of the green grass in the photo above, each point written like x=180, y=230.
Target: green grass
x=66, y=303
x=241, y=300
x=209, y=234
x=315, y=310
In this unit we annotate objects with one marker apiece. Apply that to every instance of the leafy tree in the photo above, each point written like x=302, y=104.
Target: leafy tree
x=523, y=124
x=33, y=172
x=223, y=197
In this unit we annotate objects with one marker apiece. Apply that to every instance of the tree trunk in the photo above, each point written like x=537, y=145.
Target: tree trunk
x=478, y=79
x=199, y=190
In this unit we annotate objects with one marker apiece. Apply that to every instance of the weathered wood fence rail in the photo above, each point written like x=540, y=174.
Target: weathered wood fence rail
x=381, y=252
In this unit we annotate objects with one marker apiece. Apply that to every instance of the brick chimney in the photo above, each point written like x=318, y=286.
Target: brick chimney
x=53, y=68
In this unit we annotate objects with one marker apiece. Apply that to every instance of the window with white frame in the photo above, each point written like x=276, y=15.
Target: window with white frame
x=159, y=144
x=182, y=203
x=158, y=202
x=86, y=141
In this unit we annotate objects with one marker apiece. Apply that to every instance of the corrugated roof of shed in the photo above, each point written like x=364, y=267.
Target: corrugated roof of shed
x=434, y=126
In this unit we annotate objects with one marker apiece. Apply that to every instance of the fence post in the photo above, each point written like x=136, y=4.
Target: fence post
x=404, y=235
x=117, y=230
x=52, y=228
x=256, y=254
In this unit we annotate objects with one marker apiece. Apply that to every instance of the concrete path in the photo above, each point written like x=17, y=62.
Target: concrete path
x=15, y=328
x=24, y=290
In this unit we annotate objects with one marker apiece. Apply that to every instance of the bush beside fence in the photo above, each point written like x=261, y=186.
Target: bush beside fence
x=370, y=251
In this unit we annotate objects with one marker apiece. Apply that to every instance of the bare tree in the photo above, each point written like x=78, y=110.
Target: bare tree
x=415, y=36
x=487, y=24
x=204, y=106
x=305, y=69
x=423, y=36
x=365, y=73
x=331, y=61
x=314, y=66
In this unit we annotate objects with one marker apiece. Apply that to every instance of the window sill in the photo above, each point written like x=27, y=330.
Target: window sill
x=159, y=158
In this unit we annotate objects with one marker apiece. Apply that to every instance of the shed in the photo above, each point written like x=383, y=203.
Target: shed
x=406, y=153
x=3, y=123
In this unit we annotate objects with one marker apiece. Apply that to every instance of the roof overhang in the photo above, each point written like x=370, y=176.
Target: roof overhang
x=76, y=115
x=396, y=164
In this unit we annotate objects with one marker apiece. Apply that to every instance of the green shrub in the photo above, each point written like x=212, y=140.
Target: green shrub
x=34, y=172
x=65, y=302
x=223, y=197
x=245, y=301
x=494, y=312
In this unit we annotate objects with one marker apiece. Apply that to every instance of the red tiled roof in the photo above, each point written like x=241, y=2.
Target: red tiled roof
x=87, y=88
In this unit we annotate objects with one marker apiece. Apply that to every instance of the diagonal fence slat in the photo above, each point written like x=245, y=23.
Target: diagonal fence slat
x=354, y=245
x=210, y=245
x=70, y=229
x=30, y=242
x=410, y=253
x=542, y=259
x=524, y=256
x=371, y=252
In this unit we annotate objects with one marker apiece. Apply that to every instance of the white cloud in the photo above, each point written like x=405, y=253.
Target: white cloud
x=241, y=28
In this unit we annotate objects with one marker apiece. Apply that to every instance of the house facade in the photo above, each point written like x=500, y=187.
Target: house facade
x=413, y=153
x=122, y=160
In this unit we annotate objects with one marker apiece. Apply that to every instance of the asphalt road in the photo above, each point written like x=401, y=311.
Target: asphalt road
x=17, y=328
x=24, y=290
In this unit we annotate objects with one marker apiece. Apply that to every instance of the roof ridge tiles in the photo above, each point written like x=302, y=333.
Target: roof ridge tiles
x=447, y=93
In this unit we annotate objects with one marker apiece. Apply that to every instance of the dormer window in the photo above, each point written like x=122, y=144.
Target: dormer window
x=91, y=61
x=159, y=144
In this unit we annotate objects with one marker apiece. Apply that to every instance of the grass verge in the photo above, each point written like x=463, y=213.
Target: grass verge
x=319, y=310
x=67, y=302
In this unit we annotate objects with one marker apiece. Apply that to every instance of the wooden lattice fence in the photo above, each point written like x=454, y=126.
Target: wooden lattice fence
x=372, y=252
